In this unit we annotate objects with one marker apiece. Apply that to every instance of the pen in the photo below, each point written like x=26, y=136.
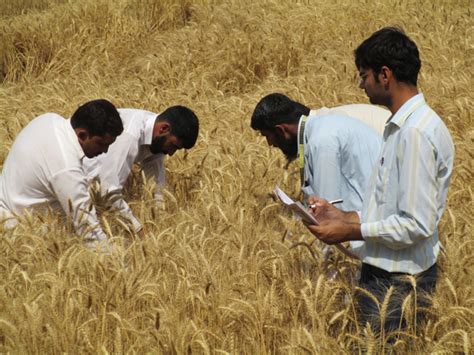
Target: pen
x=333, y=202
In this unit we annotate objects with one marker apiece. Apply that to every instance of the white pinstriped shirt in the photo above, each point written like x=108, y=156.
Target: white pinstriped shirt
x=407, y=191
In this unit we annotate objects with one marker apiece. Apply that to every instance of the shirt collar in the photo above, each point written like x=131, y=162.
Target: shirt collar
x=406, y=110
x=149, y=125
x=311, y=115
x=299, y=128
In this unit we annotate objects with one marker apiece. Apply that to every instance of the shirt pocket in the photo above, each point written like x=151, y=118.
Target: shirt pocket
x=382, y=184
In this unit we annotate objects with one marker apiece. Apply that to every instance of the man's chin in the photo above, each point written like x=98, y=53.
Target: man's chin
x=290, y=159
x=155, y=150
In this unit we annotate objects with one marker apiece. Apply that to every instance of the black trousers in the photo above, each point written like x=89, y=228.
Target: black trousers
x=386, y=310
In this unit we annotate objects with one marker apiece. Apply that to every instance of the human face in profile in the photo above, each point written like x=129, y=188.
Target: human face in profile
x=94, y=145
x=166, y=144
x=288, y=145
x=371, y=84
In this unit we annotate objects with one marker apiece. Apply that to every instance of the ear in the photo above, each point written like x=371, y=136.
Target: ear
x=285, y=130
x=385, y=75
x=82, y=134
x=280, y=130
x=164, y=128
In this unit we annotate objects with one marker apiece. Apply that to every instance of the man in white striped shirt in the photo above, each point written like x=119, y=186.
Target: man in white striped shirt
x=407, y=191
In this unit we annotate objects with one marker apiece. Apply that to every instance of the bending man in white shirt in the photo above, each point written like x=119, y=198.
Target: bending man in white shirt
x=406, y=196
x=146, y=139
x=44, y=165
x=335, y=148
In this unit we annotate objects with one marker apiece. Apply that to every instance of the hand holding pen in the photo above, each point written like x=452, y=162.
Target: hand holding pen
x=333, y=202
x=323, y=210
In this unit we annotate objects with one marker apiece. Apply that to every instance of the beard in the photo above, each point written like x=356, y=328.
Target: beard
x=157, y=143
x=288, y=147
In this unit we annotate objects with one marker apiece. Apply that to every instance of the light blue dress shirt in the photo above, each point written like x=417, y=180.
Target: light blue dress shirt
x=340, y=153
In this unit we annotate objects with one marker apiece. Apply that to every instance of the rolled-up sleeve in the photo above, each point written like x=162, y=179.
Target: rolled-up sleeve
x=71, y=190
x=154, y=167
x=114, y=172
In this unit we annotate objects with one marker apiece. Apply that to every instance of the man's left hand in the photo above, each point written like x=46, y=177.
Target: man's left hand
x=336, y=231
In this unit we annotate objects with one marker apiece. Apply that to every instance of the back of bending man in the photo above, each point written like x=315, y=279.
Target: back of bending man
x=147, y=138
x=45, y=165
x=407, y=192
x=339, y=150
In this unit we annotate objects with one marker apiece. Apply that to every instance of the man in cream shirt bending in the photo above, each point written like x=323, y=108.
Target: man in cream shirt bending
x=147, y=138
x=44, y=165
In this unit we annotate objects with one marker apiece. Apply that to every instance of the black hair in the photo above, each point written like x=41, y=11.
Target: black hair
x=391, y=47
x=98, y=117
x=275, y=109
x=184, y=124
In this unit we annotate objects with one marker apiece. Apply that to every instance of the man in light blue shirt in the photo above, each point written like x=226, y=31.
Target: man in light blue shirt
x=406, y=195
x=337, y=149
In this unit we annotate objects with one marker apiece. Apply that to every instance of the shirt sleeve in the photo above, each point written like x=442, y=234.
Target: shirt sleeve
x=71, y=189
x=114, y=170
x=154, y=167
x=416, y=197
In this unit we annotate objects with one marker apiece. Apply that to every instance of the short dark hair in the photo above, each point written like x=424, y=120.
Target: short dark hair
x=275, y=109
x=391, y=47
x=184, y=124
x=98, y=117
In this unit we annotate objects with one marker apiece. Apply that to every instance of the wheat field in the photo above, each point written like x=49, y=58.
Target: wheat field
x=223, y=269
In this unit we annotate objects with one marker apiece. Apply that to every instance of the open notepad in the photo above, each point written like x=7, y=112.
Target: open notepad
x=296, y=206
x=301, y=211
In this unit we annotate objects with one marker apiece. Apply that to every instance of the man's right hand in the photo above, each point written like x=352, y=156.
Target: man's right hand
x=322, y=210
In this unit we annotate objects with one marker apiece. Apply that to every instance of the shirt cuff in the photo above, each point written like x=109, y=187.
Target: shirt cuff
x=369, y=230
x=159, y=199
x=137, y=226
x=96, y=235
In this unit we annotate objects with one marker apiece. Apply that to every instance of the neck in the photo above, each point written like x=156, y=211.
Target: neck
x=401, y=94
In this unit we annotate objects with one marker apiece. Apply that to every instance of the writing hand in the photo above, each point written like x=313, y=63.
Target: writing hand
x=335, y=231
x=322, y=210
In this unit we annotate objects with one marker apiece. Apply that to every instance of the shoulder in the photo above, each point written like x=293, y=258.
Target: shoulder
x=48, y=119
x=135, y=114
x=428, y=125
x=43, y=129
x=425, y=121
x=134, y=120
